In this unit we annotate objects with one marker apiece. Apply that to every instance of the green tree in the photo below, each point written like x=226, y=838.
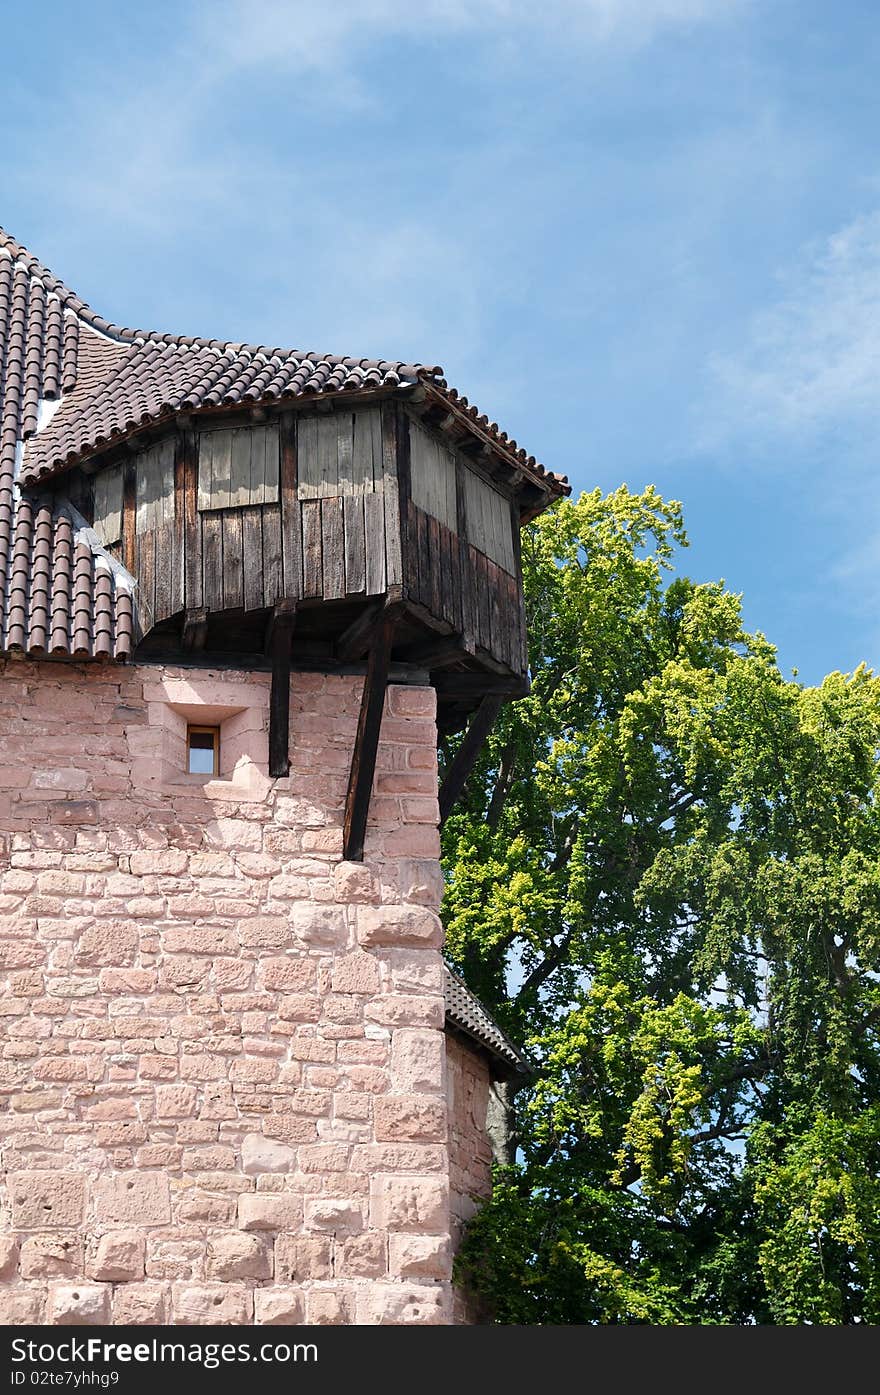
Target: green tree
x=664, y=879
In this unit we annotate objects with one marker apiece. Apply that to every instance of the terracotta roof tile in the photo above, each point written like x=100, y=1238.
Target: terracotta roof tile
x=465, y=1011
x=58, y=595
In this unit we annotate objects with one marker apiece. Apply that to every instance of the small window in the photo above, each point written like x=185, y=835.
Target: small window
x=203, y=750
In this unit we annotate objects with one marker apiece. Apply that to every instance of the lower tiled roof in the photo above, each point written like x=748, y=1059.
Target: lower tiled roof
x=59, y=594
x=465, y=1012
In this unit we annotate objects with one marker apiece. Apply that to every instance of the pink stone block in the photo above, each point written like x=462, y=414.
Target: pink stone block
x=420, y=1256
x=78, y=1305
x=140, y=1197
x=239, y=1256
x=278, y=1307
x=119, y=1257
x=197, y=1305
x=141, y=1305
x=402, y=1305
x=50, y=1256
x=415, y=926
x=258, y=1212
x=402, y=1118
x=47, y=1199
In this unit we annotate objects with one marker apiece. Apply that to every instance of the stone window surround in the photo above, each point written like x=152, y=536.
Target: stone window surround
x=239, y=709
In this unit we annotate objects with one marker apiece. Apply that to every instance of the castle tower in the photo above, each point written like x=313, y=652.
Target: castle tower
x=240, y=590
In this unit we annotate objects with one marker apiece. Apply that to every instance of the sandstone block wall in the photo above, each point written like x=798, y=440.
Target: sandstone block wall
x=470, y=1152
x=222, y=1077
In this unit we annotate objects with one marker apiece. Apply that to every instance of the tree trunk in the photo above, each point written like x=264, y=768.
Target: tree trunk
x=500, y=1123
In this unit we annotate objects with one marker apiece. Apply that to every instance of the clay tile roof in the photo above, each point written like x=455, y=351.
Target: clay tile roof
x=107, y=383
x=465, y=1012
x=60, y=594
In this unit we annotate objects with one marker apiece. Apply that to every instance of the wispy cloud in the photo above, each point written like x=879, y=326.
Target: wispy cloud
x=811, y=362
x=294, y=34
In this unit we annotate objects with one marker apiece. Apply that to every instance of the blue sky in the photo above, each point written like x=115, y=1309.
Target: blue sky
x=643, y=235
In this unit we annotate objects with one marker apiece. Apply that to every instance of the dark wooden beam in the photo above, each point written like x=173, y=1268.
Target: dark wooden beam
x=465, y=757
x=195, y=630
x=363, y=764
x=479, y=685
x=434, y=652
x=279, y=638
x=354, y=642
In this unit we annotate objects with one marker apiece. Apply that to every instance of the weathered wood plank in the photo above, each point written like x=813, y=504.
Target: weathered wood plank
x=484, y=628
x=307, y=455
x=362, y=452
x=178, y=545
x=374, y=543
x=457, y=548
x=355, y=545
x=390, y=493
x=233, y=578
x=291, y=519
x=192, y=521
x=164, y=571
x=403, y=471
x=374, y=424
x=332, y=549
x=129, y=517
x=145, y=572
x=311, y=529
x=243, y=446
x=107, y=507
x=212, y=561
x=363, y=765
x=271, y=460
x=433, y=472
x=206, y=469
x=498, y=619
x=488, y=519
x=274, y=586
x=436, y=604
x=423, y=559
x=252, y=557
x=221, y=470
x=467, y=581
x=465, y=757
x=328, y=461
x=345, y=452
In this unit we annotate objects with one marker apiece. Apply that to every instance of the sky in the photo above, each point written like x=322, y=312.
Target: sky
x=642, y=235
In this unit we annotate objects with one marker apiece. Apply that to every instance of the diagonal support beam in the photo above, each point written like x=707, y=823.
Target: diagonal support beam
x=465, y=757
x=366, y=746
x=279, y=640
x=195, y=630
x=354, y=642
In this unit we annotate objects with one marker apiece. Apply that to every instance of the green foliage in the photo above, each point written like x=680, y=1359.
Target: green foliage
x=664, y=879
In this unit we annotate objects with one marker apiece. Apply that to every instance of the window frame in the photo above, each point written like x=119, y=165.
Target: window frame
x=203, y=729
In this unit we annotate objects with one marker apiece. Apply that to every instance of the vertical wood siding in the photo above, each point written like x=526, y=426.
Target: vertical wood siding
x=107, y=517
x=432, y=469
x=238, y=467
x=326, y=506
x=488, y=521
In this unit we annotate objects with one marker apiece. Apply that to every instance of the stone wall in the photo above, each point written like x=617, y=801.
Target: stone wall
x=223, y=1081
x=470, y=1153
